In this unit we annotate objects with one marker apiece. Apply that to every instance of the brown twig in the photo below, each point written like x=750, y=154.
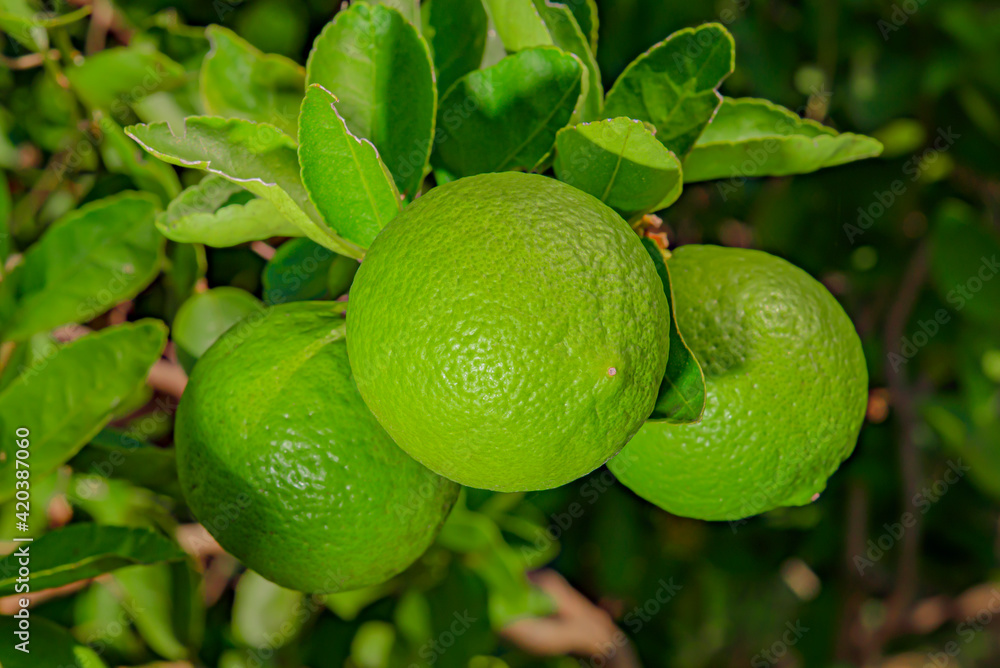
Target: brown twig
x=905, y=588
x=168, y=378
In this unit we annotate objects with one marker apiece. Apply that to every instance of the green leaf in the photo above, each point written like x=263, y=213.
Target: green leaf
x=299, y=271
x=121, y=156
x=567, y=35
x=146, y=591
x=82, y=551
x=681, y=399
x=206, y=316
x=344, y=176
x=673, y=85
x=66, y=400
x=585, y=13
x=380, y=69
x=457, y=32
x=620, y=162
x=519, y=24
x=96, y=257
x=257, y=156
x=410, y=9
x=506, y=117
x=751, y=137
x=238, y=80
x=211, y=213
x=116, y=78
x=20, y=21
x=51, y=645
x=500, y=566
x=524, y=24
x=114, y=454
x=265, y=614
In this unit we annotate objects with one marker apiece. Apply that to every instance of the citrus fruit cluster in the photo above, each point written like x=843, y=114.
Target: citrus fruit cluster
x=510, y=332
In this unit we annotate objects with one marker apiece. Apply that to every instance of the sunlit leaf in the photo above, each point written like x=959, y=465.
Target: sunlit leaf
x=620, y=162
x=380, y=69
x=673, y=85
x=96, y=257
x=506, y=117
x=256, y=156
x=219, y=213
x=66, y=400
x=238, y=80
x=750, y=137
x=343, y=174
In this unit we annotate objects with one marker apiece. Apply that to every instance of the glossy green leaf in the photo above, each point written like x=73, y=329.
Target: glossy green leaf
x=146, y=591
x=681, y=399
x=567, y=35
x=114, y=79
x=506, y=117
x=69, y=398
x=238, y=80
x=380, y=69
x=456, y=31
x=206, y=316
x=217, y=212
x=519, y=24
x=410, y=9
x=750, y=137
x=121, y=156
x=673, y=85
x=96, y=257
x=585, y=13
x=266, y=615
x=620, y=162
x=50, y=645
x=120, y=455
x=345, y=178
x=257, y=156
x=524, y=24
x=298, y=272
x=82, y=551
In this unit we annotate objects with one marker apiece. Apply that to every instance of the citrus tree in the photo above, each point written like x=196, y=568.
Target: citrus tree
x=336, y=322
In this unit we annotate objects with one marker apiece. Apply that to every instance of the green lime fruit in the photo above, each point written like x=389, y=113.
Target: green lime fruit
x=509, y=331
x=786, y=389
x=283, y=463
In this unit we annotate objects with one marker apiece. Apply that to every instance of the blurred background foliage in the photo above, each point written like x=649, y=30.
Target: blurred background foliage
x=895, y=565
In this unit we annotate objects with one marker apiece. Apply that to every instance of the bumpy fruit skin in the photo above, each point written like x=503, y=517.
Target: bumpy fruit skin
x=509, y=331
x=786, y=390
x=284, y=464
